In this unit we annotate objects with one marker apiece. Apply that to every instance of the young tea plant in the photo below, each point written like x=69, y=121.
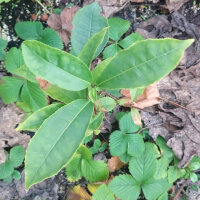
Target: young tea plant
x=98, y=147
x=70, y=80
x=13, y=160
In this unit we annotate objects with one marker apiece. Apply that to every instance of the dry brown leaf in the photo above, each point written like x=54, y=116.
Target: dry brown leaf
x=63, y=23
x=147, y=99
x=115, y=163
x=174, y=5
x=10, y=116
x=79, y=193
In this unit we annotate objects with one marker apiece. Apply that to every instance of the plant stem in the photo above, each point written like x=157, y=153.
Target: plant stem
x=39, y=2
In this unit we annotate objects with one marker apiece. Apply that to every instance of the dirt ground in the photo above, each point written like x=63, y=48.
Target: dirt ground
x=176, y=118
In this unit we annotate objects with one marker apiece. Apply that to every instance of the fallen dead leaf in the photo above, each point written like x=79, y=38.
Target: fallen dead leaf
x=10, y=116
x=175, y=5
x=115, y=163
x=63, y=23
x=78, y=193
x=148, y=98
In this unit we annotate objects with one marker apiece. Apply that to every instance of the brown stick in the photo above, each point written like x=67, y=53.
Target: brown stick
x=180, y=190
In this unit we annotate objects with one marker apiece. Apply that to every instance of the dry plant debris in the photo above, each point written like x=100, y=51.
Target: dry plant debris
x=115, y=163
x=10, y=116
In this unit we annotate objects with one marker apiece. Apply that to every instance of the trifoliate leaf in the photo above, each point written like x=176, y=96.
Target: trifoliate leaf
x=16, y=156
x=194, y=166
x=3, y=43
x=193, y=177
x=127, y=125
x=125, y=187
x=143, y=167
x=29, y=30
x=107, y=103
x=129, y=40
x=94, y=171
x=16, y=175
x=125, y=157
x=117, y=27
x=174, y=174
x=153, y=188
x=104, y=193
x=10, y=88
x=151, y=147
x=51, y=38
x=14, y=59
x=73, y=169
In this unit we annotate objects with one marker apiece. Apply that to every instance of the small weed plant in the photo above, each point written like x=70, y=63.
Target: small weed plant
x=79, y=91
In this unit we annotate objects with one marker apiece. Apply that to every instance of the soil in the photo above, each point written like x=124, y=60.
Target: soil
x=162, y=24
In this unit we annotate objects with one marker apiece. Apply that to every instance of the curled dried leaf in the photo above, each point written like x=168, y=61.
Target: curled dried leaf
x=115, y=163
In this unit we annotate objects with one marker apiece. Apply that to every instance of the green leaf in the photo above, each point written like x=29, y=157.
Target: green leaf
x=107, y=103
x=96, y=122
x=23, y=106
x=104, y=193
x=129, y=40
x=63, y=141
x=143, y=167
x=139, y=65
x=136, y=92
x=94, y=171
x=174, y=174
x=110, y=51
x=193, y=177
x=16, y=156
x=127, y=125
x=154, y=188
x=2, y=54
x=125, y=157
x=33, y=96
x=103, y=147
x=73, y=169
x=164, y=196
x=10, y=88
x=90, y=48
x=86, y=23
x=125, y=187
x=118, y=143
x=55, y=66
x=135, y=144
x=117, y=27
x=28, y=30
x=14, y=59
x=51, y=38
x=34, y=121
x=151, y=147
x=65, y=96
x=194, y=166
x=8, y=179
x=6, y=170
x=24, y=72
x=3, y=43
x=16, y=175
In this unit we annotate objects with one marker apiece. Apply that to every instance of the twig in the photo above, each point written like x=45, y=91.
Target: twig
x=180, y=190
x=39, y=2
x=110, y=95
x=175, y=104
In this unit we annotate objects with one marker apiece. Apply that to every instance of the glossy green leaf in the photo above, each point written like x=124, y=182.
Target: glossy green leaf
x=129, y=40
x=63, y=141
x=125, y=187
x=86, y=23
x=104, y=193
x=154, y=188
x=14, y=59
x=51, y=38
x=143, y=167
x=16, y=175
x=33, y=96
x=28, y=30
x=127, y=125
x=24, y=72
x=65, y=96
x=110, y=51
x=55, y=66
x=90, y=48
x=16, y=156
x=96, y=121
x=117, y=27
x=107, y=103
x=34, y=121
x=143, y=63
x=10, y=88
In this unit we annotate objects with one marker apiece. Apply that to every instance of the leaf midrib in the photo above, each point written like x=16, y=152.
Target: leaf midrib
x=136, y=66
x=60, y=138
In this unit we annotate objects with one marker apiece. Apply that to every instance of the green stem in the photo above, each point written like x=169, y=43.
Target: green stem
x=39, y=2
